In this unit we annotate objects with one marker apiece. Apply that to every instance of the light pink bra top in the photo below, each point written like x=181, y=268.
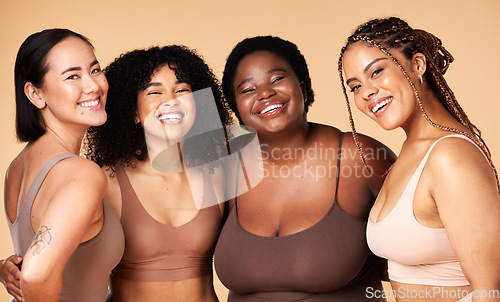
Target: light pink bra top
x=416, y=254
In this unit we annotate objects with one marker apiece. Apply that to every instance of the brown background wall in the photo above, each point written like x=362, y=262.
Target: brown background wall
x=469, y=30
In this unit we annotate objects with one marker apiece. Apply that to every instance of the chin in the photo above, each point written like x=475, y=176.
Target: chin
x=99, y=122
x=389, y=126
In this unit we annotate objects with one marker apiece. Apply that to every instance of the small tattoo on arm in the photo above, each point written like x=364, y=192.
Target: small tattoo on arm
x=42, y=239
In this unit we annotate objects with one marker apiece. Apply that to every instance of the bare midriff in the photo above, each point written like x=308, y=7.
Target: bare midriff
x=404, y=292
x=196, y=289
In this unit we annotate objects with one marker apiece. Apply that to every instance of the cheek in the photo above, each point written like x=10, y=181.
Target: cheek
x=104, y=85
x=189, y=104
x=191, y=108
x=359, y=103
x=144, y=109
x=243, y=105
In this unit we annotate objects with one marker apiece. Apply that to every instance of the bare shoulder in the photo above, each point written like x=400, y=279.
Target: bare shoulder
x=80, y=168
x=378, y=156
x=76, y=173
x=324, y=129
x=379, y=159
x=455, y=157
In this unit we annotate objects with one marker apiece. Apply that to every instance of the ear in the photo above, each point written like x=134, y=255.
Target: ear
x=137, y=118
x=304, y=91
x=33, y=94
x=419, y=64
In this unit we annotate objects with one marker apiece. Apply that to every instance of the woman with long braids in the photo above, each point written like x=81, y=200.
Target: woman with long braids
x=436, y=217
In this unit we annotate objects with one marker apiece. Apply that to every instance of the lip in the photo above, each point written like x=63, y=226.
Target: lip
x=378, y=101
x=170, y=117
x=267, y=104
x=91, y=104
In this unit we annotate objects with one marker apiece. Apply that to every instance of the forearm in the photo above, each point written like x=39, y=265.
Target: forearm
x=39, y=290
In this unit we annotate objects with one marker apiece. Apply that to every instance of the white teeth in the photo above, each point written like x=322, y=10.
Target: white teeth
x=271, y=108
x=170, y=117
x=90, y=103
x=381, y=104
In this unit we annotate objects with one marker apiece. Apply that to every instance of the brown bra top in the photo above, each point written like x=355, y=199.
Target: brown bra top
x=86, y=275
x=328, y=261
x=158, y=252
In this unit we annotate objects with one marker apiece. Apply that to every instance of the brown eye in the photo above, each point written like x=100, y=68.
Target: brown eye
x=277, y=79
x=376, y=72
x=354, y=88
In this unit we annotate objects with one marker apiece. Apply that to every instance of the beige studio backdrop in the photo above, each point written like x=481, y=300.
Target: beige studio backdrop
x=469, y=30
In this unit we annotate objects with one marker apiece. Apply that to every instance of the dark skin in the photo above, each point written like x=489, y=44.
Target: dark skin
x=10, y=275
x=304, y=198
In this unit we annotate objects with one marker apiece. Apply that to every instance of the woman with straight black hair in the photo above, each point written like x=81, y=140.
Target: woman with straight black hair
x=69, y=238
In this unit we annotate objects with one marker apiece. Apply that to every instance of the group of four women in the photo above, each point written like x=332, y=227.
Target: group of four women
x=291, y=237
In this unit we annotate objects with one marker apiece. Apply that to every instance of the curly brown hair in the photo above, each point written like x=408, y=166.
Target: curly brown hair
x=121, y=140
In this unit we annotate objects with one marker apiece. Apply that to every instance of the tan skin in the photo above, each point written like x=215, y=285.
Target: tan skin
x=72, y=83
x=153, y=189
x=162, y=194
x=303, y=199
x=446, y=203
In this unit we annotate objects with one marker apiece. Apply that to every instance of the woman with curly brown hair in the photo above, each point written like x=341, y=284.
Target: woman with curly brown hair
x=169, y=237
x=436, y=217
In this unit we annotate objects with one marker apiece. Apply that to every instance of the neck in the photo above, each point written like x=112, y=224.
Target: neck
x=417, y=127
x=166, y=170
x=279, y=143
x=71, y=141
x=166, y=160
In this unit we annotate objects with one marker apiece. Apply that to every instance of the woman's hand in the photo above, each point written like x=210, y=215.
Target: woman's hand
x=10, y=276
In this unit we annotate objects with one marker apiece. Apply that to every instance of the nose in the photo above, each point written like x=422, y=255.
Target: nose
x=89, y=84
x=369, y=91
x=171, y=101
x=265, y=92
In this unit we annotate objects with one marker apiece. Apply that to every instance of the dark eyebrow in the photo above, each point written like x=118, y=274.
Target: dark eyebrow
x=151, y=84
x=277, y=69
x=78, y=68
x=243, y=82
x=154, y=84
x=71, y=69
x=268, y=72
x=366, y=68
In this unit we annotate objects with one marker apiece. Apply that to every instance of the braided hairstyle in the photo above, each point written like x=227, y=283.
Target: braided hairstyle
x=393, y=33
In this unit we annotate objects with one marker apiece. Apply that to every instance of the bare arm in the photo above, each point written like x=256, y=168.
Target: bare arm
x=379, y=158
x=10, y=276
x=469, y=207
x=71, y=204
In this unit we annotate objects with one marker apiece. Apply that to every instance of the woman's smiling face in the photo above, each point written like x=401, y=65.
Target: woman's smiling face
x=166, y=107
x=380, y=89
x=74, y=88
x=268, y=94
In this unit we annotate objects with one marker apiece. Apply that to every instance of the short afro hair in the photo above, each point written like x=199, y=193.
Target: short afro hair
x=282, y=48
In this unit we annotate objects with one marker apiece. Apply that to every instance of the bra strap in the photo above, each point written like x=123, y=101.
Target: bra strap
x=339, y=157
